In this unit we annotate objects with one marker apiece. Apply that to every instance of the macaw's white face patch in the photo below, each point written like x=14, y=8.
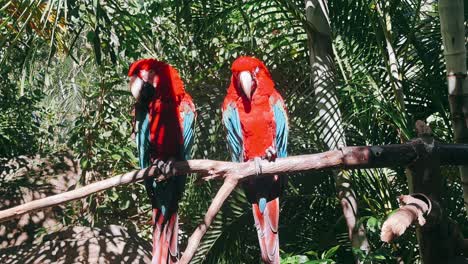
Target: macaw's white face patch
x=135, y=86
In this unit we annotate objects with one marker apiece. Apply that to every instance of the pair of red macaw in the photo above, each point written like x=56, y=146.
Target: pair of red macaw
x=254, y=115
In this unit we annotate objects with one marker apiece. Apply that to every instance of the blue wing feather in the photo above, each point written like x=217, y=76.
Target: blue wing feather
x=282, y=129
x=142, y=138
x=232, y=124
x=188, y=122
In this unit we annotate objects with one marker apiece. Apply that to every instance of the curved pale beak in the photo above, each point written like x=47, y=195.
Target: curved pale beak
x=136, y=84
x=246, y=83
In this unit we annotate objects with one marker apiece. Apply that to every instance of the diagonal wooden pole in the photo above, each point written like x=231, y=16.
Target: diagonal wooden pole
x=226, y=189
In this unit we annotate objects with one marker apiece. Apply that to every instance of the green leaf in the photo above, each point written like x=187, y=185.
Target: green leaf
x=373, y=224
x=331, y=252
x=84, y=162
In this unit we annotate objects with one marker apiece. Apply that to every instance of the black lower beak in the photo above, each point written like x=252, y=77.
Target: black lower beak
x=147, y=93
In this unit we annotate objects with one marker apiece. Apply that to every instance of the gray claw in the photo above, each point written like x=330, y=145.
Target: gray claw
x=270, y=153
x=165, y=168
x=169, y=167
x=258, y=166
x=158, y=163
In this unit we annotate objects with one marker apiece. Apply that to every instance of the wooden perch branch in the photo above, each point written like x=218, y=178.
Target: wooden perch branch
x=232, y=173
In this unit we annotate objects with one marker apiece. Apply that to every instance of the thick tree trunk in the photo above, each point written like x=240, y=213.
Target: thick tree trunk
x=453, y=36
x=329, y=115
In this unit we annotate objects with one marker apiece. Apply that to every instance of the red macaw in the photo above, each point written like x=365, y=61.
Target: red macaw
x=254, y=115
x=164, y=127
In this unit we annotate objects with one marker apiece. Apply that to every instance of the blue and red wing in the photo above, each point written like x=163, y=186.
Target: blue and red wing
x=187, y=116
x=165, y=195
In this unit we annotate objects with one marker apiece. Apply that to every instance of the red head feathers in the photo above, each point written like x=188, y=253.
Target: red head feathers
x=143, y=64
x=167, y=81
x=250, y=77
x=251, y=64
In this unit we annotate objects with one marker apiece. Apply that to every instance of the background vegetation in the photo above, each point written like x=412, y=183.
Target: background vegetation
x=63, y=86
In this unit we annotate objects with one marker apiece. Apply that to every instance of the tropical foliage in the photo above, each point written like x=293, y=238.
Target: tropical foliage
x=63, y=86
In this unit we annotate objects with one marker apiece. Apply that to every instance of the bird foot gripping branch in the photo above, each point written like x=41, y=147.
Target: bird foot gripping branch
x=166, y=169
x=271, y=153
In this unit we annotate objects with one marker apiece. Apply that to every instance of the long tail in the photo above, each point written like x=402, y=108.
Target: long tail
x=165, y=232
x=266, y=223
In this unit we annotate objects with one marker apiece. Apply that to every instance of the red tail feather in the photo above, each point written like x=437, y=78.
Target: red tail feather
x=267, y=230
x=165, y=250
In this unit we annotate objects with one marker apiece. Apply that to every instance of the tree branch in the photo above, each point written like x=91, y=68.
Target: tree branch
x=346, y=158
x=232, y=173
